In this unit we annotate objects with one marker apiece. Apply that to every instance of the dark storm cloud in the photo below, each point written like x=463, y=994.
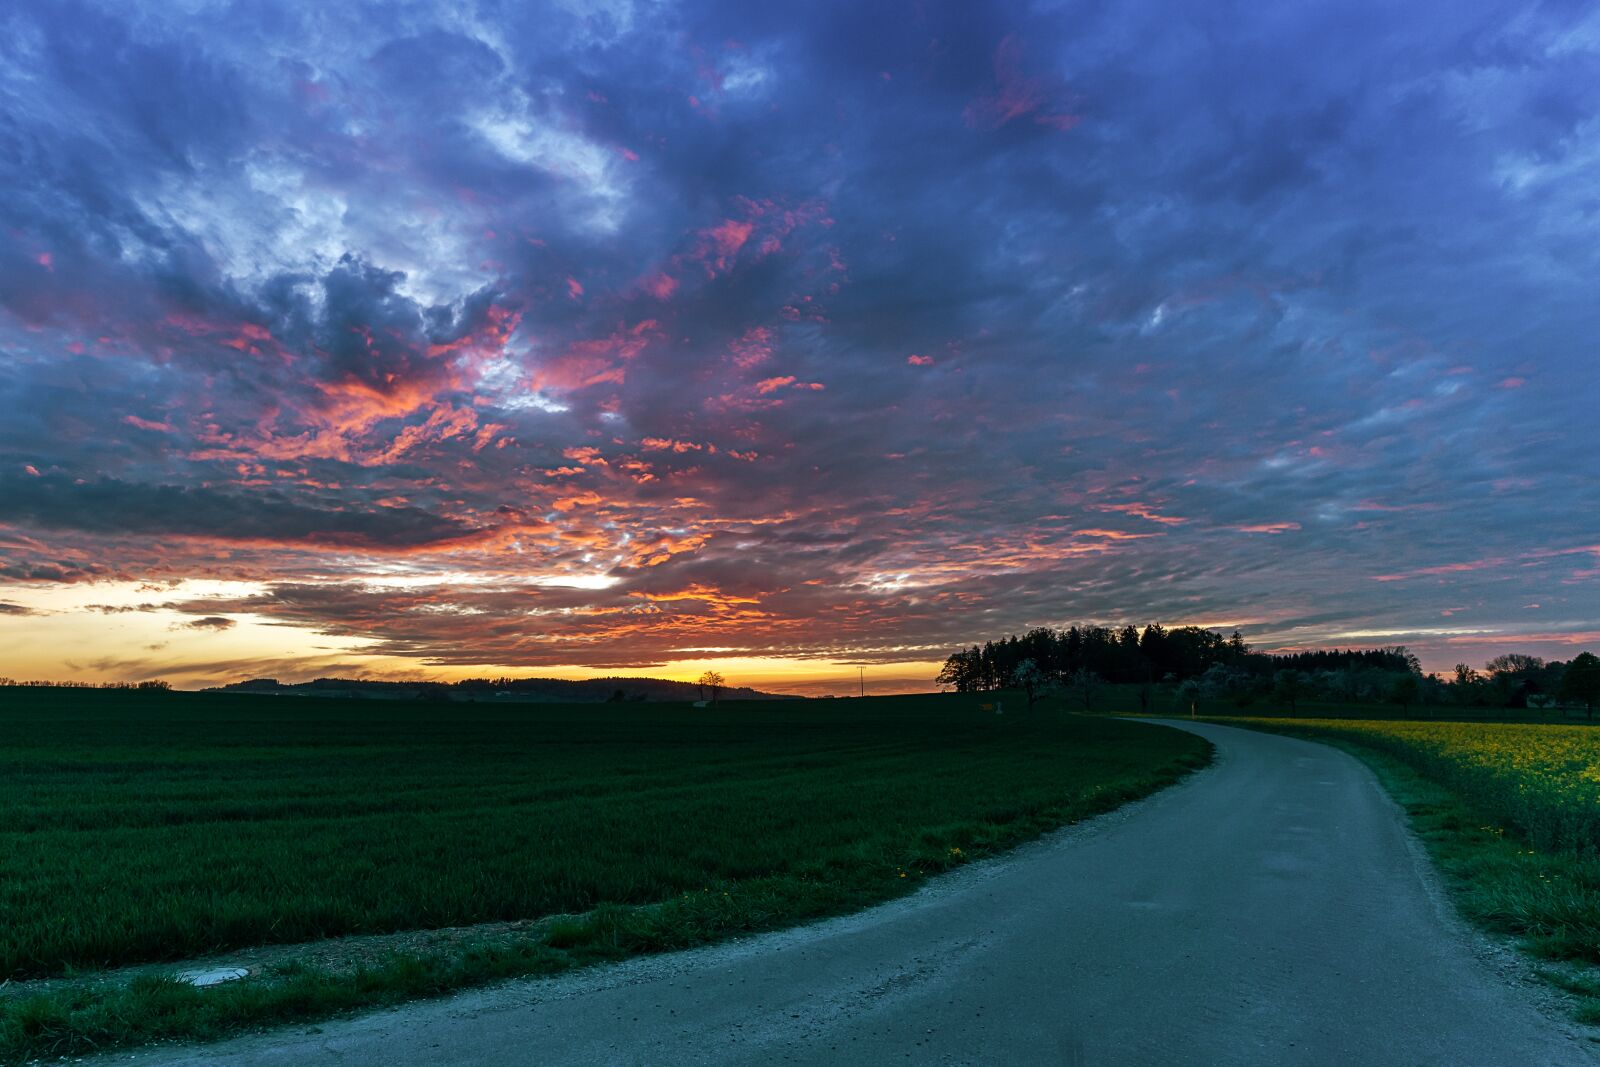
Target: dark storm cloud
x=110, y=507
x=891, y=325
x=214, y=623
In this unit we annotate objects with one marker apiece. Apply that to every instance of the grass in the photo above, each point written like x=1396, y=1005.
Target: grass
x=1268, y=708
x=1161, y=700
x=1510, y=814
x=139, y=828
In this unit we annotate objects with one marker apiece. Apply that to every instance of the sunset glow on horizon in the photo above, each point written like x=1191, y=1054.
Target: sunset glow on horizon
x=445, y=341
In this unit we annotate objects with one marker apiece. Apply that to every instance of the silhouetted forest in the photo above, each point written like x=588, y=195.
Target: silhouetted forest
x=1201, y=662
x=1154, y=654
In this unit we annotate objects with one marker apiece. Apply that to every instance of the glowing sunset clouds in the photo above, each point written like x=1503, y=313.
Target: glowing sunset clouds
x=527, y=339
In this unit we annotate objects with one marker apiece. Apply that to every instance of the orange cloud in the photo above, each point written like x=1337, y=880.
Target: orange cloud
x=444, y=423
x=1142, y=511
x=664, y=444
x=771, y=385
x=576, y=500
x=1113, y=535
x=594, y=361
x=587, y=455
x=699, y=592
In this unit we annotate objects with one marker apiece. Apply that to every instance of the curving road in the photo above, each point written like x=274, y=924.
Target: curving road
x=1269, y=910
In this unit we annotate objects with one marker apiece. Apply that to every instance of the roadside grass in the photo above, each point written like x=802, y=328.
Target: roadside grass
x=139, y=829
x=1510, y=815
x=1224, y=709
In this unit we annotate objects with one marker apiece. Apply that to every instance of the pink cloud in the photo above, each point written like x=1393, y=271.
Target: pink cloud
x=752, y=348
x=1016, y=95
x=754, y=231
x=661, y=285
x=1113, y=535
x=1269, y=527
x=1443, y=568
x=667, y=444
x=1577, y=637
x=597, y=360
x=726, y=238
x=1142, y=511
x=920, y=361
x=249, y=336
x=1532, y=558
x=444, y=423
x=146, y=424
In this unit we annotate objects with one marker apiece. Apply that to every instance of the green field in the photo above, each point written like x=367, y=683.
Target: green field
x=1223, y=709
x=137, y=828
x=1162, y=700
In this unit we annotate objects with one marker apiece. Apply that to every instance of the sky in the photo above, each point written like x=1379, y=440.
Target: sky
x=459, y=338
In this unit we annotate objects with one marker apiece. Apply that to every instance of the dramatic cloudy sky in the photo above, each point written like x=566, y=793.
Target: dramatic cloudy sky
x=457, y=337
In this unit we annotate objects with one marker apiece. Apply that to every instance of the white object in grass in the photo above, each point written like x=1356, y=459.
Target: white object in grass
x=215, y=976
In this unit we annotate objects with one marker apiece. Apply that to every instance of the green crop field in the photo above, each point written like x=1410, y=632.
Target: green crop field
x=154, y=827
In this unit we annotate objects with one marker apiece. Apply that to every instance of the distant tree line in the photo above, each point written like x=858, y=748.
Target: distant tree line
x=1510, y=681
x=1200, y=664
x=36, y=684
x=1154, y=654
x=711, y=684
x=1515, y=680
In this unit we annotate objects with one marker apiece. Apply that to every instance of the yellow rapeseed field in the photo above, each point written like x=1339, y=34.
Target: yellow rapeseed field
x=1541, y=780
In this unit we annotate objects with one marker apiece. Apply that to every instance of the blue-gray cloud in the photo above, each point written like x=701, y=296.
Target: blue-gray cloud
x=859, y=329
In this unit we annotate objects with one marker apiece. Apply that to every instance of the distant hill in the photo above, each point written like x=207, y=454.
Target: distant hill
x=508, y=690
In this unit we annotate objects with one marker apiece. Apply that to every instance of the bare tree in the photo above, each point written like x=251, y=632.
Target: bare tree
x=713, y=682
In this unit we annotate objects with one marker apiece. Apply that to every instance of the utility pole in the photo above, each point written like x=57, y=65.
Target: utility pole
x=863, y=672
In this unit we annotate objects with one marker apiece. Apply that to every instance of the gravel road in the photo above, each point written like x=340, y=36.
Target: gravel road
x=1269, y=910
